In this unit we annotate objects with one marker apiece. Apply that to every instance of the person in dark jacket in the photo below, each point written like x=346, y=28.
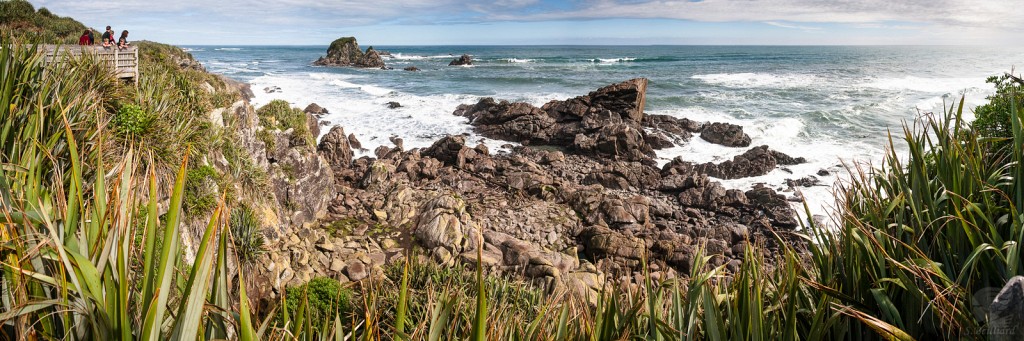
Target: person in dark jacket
x=92, y=40
x=122, y=43
x=108, y=35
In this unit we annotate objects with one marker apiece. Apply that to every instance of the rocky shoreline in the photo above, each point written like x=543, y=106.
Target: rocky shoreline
x=581, y=204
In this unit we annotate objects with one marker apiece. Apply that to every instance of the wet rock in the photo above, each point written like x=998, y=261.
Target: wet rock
x=462, y=60
x=394, y=105
x=726, y=134
x=604, y=123
x=783, y=159
x=807, y=181
x=755, y=162
x=774, y=206
x=411, y=68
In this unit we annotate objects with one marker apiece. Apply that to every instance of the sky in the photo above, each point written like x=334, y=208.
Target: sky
x=557, y=22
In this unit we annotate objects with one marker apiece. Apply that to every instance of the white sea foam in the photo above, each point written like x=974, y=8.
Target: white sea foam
x=787, y=135
x=921, y=84
x=612, y=60
x=517, y=60
x=228, y=49
x=758, y=80
x=362, y=109
x=399, y=56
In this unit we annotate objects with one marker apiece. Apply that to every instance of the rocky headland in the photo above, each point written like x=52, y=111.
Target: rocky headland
x=581, y=203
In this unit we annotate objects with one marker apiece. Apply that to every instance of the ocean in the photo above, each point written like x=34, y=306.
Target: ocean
x=828, y=104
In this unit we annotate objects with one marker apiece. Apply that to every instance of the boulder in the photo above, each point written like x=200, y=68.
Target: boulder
x=354, y=142
x=411, y=68
x=726, y=134
x=755, y=162
x=602, y=242
x=463, y=60
x=371, y=59
x=617, y=142
x=394, y=105
x=315, y=109
x=774, y=206
x=451, y=150
x=355, y=270
x=625, y=175
x=444, y=222
x=336, y=149
x=1006, y=313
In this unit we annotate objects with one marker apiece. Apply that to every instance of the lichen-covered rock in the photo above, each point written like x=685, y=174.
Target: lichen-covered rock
x=443, y=222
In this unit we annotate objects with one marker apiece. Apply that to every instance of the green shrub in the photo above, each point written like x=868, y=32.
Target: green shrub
x=325, y=297
x=16, y=10
x=130, y=120
x=993, y=119
x=200, y=194
x=248, y=239
x=278, y=114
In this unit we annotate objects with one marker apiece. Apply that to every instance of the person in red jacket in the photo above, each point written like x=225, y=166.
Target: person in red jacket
x=84, y=39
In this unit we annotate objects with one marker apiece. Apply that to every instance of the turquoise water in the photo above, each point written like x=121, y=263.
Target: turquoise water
x=827, y=104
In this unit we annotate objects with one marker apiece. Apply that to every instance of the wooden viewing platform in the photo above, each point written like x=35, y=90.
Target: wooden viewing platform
x=124, y=62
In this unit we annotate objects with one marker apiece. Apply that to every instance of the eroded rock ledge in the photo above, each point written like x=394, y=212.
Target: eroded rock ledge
x=583, y=202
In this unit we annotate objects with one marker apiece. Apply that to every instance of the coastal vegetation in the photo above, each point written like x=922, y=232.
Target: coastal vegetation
x=100, y=179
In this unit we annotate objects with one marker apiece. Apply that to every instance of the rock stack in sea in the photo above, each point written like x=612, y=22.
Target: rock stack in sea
x=345, y=51
x=463, y=60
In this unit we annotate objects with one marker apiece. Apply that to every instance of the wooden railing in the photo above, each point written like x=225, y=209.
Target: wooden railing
x=124, y=62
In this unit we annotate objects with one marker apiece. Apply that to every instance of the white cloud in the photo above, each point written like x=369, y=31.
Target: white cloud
x=989, y=13
x=954, y=17
x=795, y=27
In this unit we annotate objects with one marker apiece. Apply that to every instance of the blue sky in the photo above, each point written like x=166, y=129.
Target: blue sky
x=524, y=22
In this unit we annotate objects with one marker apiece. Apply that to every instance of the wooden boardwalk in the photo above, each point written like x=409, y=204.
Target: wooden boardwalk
x=124, y=62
